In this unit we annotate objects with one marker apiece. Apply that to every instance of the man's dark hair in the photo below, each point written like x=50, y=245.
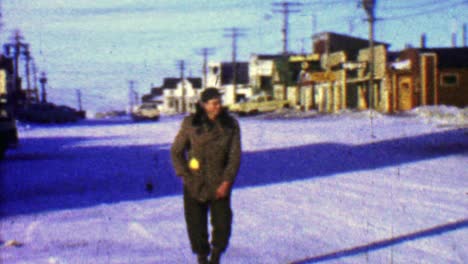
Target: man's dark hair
x=209, y=93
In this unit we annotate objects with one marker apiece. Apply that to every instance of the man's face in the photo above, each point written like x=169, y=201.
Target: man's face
x=212, y=107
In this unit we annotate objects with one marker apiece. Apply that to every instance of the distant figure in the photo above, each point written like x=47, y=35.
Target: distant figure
x=206, y=153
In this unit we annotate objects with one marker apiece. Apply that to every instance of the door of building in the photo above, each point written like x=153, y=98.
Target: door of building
x=405, y=94
x=352, y=96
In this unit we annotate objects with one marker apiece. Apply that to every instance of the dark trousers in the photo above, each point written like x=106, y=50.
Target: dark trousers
x=196, y=218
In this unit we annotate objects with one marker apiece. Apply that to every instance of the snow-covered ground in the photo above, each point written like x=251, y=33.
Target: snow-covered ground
x=357, y=187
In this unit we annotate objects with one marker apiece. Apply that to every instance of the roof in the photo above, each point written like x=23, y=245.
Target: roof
x=392, y=55
x=334, y=42
x=268, y=56
x=227, y=73
x=339, y=36
x=156, y=91
x=171, y=83
x=449, y=57
x=196, y=82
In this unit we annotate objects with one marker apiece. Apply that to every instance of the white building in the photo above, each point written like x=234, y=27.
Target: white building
x=180, y=96
x=220, y=75
x=261, y=72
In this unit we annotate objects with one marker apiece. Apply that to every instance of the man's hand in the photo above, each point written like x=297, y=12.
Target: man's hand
x=223, y=190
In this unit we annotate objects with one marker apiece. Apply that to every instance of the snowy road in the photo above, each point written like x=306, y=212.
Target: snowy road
x=331, y=189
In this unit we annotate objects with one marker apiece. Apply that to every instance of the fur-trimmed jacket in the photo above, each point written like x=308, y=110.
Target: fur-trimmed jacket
x=206, y=153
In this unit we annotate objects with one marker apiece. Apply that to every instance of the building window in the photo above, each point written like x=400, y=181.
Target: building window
x=449, y=79
x=352, y=73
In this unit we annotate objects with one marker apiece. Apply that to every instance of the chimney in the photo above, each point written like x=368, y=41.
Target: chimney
x=454, y=40
x=423, y=41
x=464, y=35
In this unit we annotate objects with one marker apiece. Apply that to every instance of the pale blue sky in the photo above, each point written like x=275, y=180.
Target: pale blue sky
x=98, y=45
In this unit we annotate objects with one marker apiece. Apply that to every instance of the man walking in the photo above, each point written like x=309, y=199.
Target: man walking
x=206, y=155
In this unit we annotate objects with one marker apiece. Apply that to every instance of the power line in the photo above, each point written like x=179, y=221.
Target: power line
x=425, y=12
x=412, y=5
x=327, y=3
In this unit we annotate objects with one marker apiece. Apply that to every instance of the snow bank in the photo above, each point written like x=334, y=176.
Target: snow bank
x=288, y=113
x=443, y=115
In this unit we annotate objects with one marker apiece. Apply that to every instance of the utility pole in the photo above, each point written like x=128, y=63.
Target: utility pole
x=234, y=33
x=131, y=92
x=454, y=39
x=369, y=7
x=78, y=96
x=18, y=46
x=303, y=52
x=314, y=24
x=286, y=8
x=350, y=25
x=181, y=65
x=1, y=16
x=313, y=30
x=205, y=52
x=464, y=35
x=137, y=97
x=43, y=81
x=27, y=57
x=36, y=92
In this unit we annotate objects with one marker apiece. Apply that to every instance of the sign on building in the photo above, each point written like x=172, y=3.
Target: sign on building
x=354, y=65
x=323, y=77
x=299, y=58
x=3, y=82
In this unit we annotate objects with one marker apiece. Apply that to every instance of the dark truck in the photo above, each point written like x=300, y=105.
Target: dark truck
x=8, y=132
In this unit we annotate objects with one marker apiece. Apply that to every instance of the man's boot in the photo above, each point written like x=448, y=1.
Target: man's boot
x=203, y=259
x=215, y=256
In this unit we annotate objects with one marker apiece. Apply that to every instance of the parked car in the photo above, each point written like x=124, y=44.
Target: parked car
x=48, y=113
x=8, y=132
x=146, y=111
x=258, y=104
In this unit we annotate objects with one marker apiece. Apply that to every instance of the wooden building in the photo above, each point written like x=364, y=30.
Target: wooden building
x=345, y=62
x=429, y=76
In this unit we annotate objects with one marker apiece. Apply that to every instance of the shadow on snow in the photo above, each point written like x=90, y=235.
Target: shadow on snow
x=434, y=231
x=48, y=175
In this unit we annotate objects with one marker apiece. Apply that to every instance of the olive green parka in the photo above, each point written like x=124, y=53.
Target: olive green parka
x=216, y=147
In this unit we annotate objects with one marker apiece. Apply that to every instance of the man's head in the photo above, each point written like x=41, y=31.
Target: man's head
x=210, y=100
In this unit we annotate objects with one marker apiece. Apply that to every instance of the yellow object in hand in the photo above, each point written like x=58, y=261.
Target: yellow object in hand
x=12, y=243
x=194, y=164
